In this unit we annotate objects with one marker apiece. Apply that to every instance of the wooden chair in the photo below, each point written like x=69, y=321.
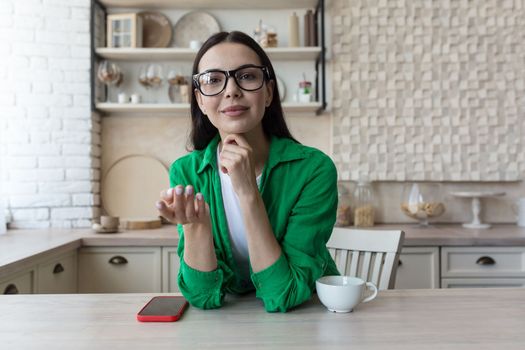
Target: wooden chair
x=372, y=255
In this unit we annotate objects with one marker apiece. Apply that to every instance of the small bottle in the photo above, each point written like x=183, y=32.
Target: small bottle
x=364, y=203
x=344, y=210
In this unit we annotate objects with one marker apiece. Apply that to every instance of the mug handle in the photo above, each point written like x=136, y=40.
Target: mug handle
x=370, y=285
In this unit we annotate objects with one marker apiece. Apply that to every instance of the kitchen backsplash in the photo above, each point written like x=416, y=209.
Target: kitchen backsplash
x=429, y=90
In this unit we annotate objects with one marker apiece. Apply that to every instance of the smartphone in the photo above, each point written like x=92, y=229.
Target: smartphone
x=163, y=309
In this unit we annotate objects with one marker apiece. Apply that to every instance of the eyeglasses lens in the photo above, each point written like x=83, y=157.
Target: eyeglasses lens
x=249, y=79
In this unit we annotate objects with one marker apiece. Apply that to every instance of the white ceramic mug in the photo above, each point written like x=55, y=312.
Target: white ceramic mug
x=135, y=98
x=343, y=293
x=122, y=98
x=519, y=208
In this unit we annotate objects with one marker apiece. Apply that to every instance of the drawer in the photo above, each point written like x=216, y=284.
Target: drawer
x=483, y=262
x=58, y=275
x=22, y=283
x=418, y=268
x=119, y=270
x=482, y=282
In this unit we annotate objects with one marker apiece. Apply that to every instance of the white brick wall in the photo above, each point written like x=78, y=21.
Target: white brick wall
x=49, y=141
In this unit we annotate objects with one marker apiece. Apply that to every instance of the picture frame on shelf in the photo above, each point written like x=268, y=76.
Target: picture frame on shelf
x=124, y=30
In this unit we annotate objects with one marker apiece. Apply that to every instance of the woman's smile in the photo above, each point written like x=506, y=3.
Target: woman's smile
x=234, y=110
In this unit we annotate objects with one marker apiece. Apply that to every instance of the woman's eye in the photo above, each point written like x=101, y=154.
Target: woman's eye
x=210, y=80
x=246, y=76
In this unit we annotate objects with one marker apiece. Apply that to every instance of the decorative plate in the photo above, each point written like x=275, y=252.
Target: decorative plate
x=196, y=25
x=156, y=29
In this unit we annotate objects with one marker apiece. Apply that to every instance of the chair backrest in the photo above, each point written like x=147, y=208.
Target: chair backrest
x=372, y=255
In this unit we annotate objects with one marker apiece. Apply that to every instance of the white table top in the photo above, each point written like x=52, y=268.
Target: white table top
x=396, y=319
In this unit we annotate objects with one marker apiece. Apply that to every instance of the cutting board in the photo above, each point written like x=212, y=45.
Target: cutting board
x=132, y=185
x=140, y=223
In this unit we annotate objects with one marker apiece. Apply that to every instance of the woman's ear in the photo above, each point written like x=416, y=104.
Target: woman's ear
x=269, y=92
x=198, y=97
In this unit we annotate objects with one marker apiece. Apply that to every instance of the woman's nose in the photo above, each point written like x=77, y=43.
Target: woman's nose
x=232, y=89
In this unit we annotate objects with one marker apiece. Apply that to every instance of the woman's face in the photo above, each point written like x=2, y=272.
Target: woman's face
x=233, y=111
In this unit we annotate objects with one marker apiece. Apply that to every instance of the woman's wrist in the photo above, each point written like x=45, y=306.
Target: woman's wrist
x=197, y=231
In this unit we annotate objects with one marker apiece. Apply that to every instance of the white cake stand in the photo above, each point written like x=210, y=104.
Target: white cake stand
x=476, y=206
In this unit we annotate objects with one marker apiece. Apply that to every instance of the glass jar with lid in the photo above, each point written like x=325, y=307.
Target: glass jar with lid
x=344, y=210
x=364, y=200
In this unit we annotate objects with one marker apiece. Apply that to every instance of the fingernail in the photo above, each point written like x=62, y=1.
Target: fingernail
x=158, y=205
x=199, y=196
x=189, y=190
x=170, y=192
x=178, y=190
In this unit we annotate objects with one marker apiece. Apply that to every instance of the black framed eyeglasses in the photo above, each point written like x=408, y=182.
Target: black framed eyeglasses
x=248, y=77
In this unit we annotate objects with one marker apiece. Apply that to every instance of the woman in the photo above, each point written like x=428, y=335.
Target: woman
x=254, y=208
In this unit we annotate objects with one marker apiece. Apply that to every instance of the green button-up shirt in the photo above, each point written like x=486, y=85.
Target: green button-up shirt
x=299, y=190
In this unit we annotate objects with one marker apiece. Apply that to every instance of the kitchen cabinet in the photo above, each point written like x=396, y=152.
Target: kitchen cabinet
x=119, y=270
x=482, y=266
x=170, y=269
x=237, y=14
x=418, y=268
x=58, y=274
x=482, y=282
x=19, y=283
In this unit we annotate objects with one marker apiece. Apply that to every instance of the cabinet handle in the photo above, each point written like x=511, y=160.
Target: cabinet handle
x=486, y=260
x=118, y=260
x=11, y=289
x=399, y=263
x=58, y=268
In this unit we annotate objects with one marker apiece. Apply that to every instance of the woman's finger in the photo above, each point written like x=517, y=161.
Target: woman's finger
x=189, y=206
x=200, y=206
x=165, y=211
x=167, y=195
x=179, y=204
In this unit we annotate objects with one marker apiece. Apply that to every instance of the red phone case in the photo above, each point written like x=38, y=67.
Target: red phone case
x=162, y=318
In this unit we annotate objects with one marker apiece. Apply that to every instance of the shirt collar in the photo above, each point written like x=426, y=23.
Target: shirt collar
x=281, y=150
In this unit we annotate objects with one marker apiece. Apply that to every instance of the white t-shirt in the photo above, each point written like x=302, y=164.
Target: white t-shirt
x=236, y=226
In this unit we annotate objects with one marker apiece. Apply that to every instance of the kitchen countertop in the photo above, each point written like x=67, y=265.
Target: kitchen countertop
x=396, y=319
x=18, y=248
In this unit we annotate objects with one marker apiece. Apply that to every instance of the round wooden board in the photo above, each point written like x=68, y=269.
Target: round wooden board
x=132, y=185
x=140, y=223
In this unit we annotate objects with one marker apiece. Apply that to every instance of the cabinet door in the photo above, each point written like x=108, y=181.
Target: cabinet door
x=418, y=268
x=119, y=270
x=58, y=275
x=482, y=282
x=483, y=262
x=20, y=283
x=170, y=269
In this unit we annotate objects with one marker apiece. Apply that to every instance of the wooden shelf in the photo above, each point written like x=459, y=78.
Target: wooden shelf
x=184, y=108
x=172, y=53
x=211, y=4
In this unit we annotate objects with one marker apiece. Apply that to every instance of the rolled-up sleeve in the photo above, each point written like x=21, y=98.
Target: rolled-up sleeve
x=291, y=279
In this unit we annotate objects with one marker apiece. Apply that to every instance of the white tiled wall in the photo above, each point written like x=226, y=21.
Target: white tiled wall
x=429, y=90
x=50, y=142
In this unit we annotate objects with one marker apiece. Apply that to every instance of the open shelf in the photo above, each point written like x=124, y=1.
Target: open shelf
x=211, y=4
x=184, y=108
x=172, y=53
